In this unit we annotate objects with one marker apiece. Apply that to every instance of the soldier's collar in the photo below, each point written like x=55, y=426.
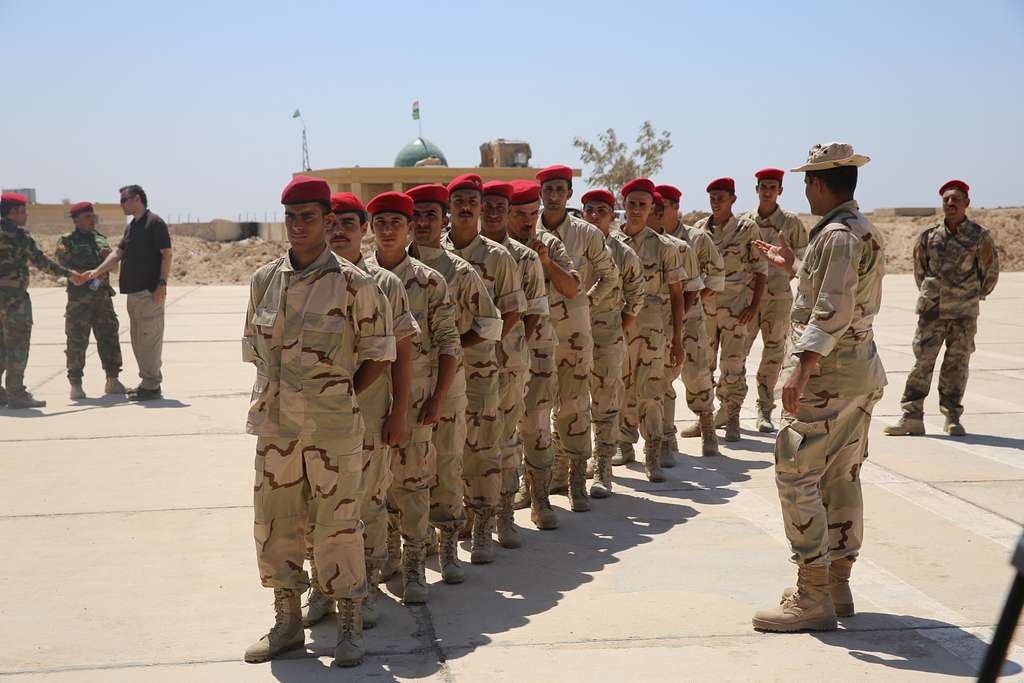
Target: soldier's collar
x=850, y=205
x=322, y=261
x=429, y=253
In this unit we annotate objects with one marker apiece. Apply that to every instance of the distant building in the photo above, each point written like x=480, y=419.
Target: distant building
x=29, y=192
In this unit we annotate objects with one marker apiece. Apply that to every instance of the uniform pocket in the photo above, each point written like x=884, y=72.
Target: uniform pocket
x=801, y=447
x=321, y=340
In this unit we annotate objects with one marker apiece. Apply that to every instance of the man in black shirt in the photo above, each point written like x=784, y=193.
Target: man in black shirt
x=145, y=256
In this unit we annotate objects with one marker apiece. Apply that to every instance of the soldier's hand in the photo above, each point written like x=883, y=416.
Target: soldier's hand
x=430, y=413
x=395, y=429
x=541, y=249
x=160, y=295
x=90, y=274
x=747, y=314
x=676, y=353
x=797, y=381
x=779, y=255
x=76, y=278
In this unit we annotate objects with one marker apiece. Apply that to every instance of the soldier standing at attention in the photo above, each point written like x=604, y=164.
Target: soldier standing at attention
x=542, y=386
x=319, y=331
x=955, y=267
x=468, y=472
x=728, y=317
x=664, y=274
x=513, y=360
x=90, y=308
x=610, y=321
x=772, y=319
x=834, y=378
x=696, y=369
x=574, y=355
x=17, y=250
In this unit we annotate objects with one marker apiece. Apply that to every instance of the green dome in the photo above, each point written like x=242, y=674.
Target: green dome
x=418, y=150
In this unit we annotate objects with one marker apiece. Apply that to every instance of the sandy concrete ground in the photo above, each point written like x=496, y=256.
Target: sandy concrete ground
x=128, y=552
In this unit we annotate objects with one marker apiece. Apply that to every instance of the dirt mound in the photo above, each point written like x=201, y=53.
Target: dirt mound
x=199, y=262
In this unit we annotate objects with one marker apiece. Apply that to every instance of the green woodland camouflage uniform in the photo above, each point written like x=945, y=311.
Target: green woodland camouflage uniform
x=17, y=250
x=954, y=270
x=648, y=341
x=772, y=318
x=820, y=450
x=726, y=334
x=691, y=283
x=307, y=332
x=89, y=311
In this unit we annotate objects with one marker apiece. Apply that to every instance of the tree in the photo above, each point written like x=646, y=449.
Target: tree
x=613, y=163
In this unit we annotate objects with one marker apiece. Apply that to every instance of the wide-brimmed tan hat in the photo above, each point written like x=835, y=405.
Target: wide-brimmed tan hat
x=831, y=155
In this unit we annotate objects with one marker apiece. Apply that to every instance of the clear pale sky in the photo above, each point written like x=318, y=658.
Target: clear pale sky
x=194, y=102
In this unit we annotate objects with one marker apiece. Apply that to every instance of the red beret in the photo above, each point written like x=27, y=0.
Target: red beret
x=770, y=174
x=955, y=185
x=524, y=192
x=599, y=196
x=499, y=188
x=466, y=181
x=669, y=192
x=638, y=185
x=438, y=194
x=14, y=198
x=346, y=202
x=727, y=184
x=80, y=207
x=391, y=202
x=658, y=199
x=303, y=189
x=554, y=173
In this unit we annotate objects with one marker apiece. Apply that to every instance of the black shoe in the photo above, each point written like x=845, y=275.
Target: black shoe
x=24, y=401
x=144, y=394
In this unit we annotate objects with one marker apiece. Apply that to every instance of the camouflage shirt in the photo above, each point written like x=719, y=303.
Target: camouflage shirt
x=628, y=295
x=585, y=246
x=79, y=250
x=544, y=335
x=308, y=331
x=17, y=250
x=512, y=352
x=735, y=243
x=712, y=268
x=954, y=270
x=790, y=225
x=838, y=294
x=662, y=266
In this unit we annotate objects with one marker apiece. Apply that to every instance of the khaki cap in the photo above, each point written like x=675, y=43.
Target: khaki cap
x=831, y=155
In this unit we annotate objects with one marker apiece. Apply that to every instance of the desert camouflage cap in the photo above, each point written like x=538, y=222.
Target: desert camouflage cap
x=831, y=155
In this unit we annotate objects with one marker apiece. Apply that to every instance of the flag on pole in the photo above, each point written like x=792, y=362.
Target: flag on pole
x=296, y=114
x=416, y=110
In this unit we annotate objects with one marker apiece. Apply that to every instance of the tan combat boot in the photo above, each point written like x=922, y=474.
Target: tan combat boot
x=691, y=431
x=77, y=392
x=709, y=440
x=668, y=447
x=602, y=486
x=466, y=531
x=732, y=426
x=319, y=604
x=559, y=481
x=721, y=417
x=371, y=615
x=394, y=561
x=625, y=455
x=508, y=534
x=907, y=426
x=838, y=587
x=652, y=465
x=349, y=651
x=24, y=400
x=522, y=499
x=541, y=514
x=482, y=550
x=764, y=419
x=285, y=634
x=578, y=500
x=809, y=608
x=953, y=427
x=414, y=575
x=114, y=386
x=448, y=555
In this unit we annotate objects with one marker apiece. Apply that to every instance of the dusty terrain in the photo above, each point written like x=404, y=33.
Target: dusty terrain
x=200, y=262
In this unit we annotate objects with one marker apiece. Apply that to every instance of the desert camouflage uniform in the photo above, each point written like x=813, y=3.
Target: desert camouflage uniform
x=820, y=450
x=17, y=250
x=734, y=242
x=500, y=273
x=642, y=413
x=89, y=311
x=574, y=355
x=468, y=467
x=954, y=271
x=691, y=283
x=307, y=332
x=772, y=318
x=696, y=369
x=607, y=387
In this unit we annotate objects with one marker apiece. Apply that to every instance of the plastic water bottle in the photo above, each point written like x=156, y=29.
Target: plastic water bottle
x=94, y=284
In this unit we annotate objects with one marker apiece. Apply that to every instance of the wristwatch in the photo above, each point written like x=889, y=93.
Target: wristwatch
x=161, y=282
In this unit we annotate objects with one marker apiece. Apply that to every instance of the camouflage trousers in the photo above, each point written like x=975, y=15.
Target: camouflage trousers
x=535, y=425
x=695, y=372
x=303, y=478
x=413, y=469
x=92, y=314
x=772, y=322
x=16, y=330
x=958, y=336
x=511, y=409
x=574, y=358
x=481, y=462
x=727, y=337
x=447, y=491
x=642, y=412
x=818, y=456
x=607, y=390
